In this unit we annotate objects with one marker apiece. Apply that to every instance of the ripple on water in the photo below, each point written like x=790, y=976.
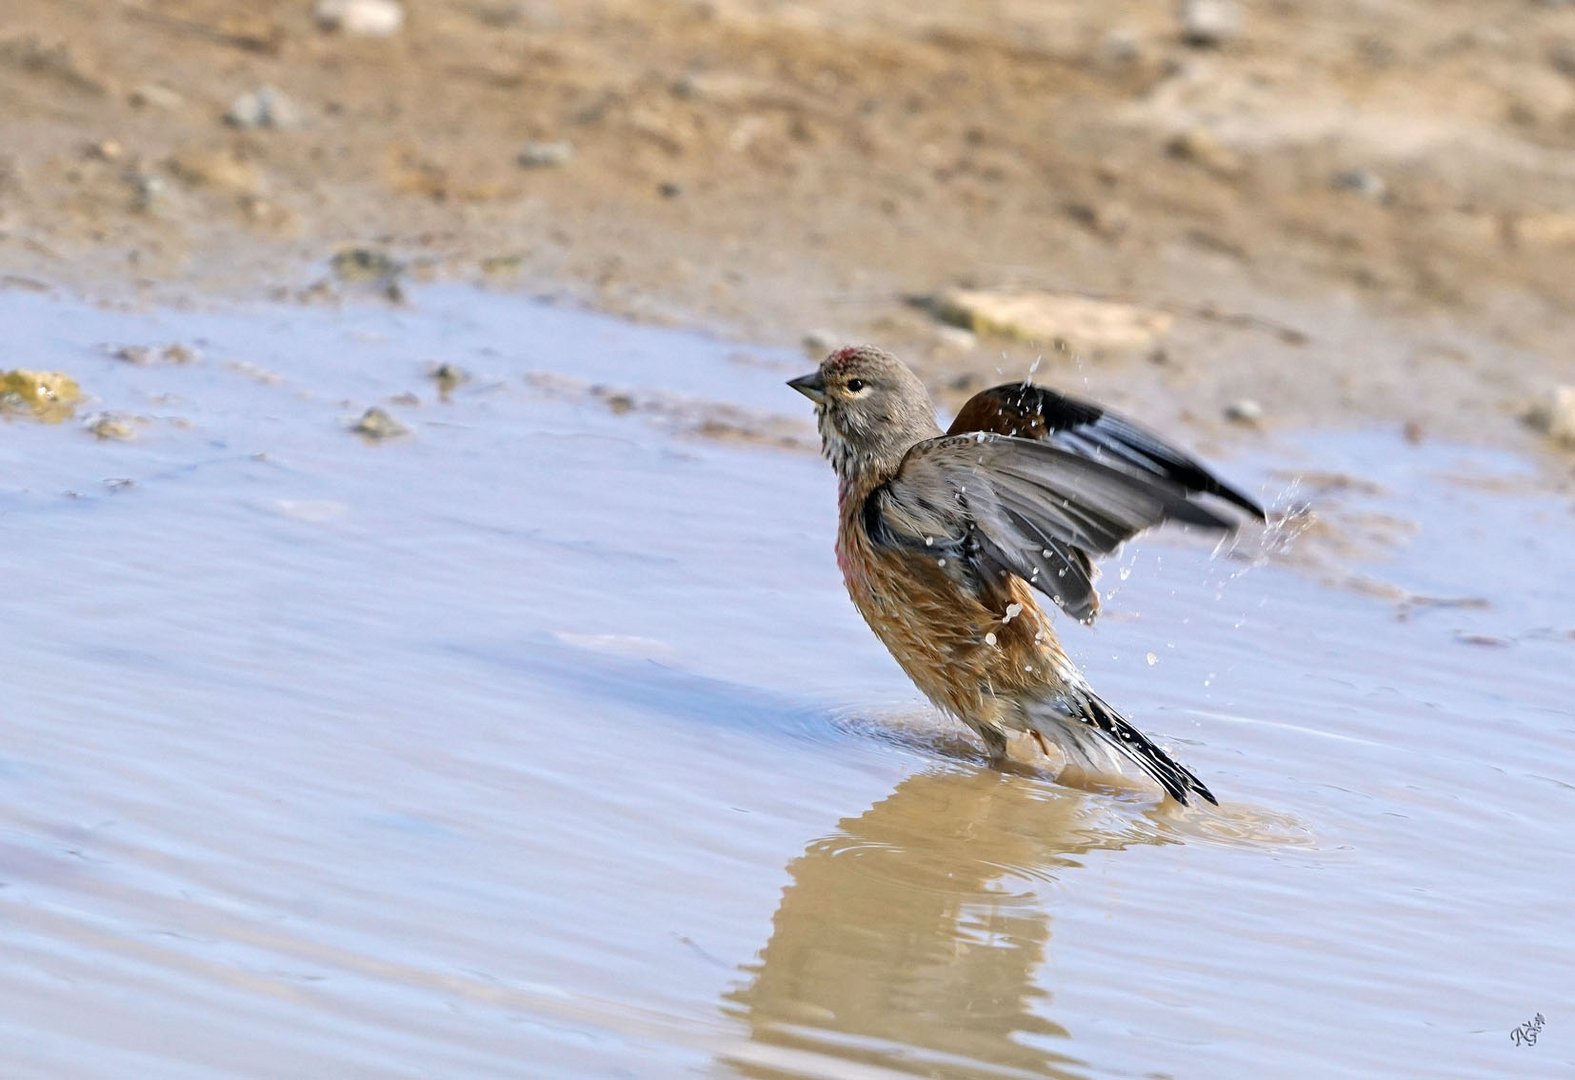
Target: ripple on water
x=547, y=735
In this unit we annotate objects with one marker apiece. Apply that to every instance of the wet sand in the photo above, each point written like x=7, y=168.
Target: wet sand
x=542, y=740
x=1391, y=182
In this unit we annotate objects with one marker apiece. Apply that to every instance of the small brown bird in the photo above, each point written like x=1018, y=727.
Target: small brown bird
x=943, y=539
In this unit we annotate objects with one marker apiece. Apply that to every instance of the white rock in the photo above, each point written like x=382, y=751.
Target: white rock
x=817, y=343
x=1210, y=22
x=1557, y=416
x=264, y=107
x=361, y=18
x=545, y=155
x=1082, y=323
x=1246, y=411
x=956, y=339
x=1363, y=182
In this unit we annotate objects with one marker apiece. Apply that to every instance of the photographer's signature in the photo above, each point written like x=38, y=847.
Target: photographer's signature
x=1526, y=1034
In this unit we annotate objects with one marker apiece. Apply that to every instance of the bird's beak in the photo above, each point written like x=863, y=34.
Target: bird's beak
x=811, y=386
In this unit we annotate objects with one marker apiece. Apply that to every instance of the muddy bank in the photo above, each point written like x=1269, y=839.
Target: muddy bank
x=1391, y=183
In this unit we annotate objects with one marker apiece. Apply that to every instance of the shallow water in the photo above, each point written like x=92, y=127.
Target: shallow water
x=544, y=742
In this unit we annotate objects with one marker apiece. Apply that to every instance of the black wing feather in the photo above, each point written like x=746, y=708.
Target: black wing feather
x=1036, y=510
x=1083, y=427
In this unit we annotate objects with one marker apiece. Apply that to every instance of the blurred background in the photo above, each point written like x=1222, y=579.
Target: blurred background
x=423, y=652
x=778, y=169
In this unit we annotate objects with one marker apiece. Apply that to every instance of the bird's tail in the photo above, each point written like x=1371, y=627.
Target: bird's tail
x=1093, y=735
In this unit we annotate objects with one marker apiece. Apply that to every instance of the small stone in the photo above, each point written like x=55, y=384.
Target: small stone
x=107, y=150
x=1363, y=182
x=148, y=192
x=1555, y=417
x=502, y=265
x=46, y=395
x=143, y=354
x=1246, y=412
x=365, y=264
x=264, y=107
x=361, y=18
x=376, y=424
x=1107, y=219
x=545, y=155
x=536, y=14
x=216, y=169
x=154, y=96
x=956, y=339
x=817, y=343
x=1201, y=147
x=1210, y=23
x=1121, y=47
x=668, y=189
x=109, y=426
x=448, y=377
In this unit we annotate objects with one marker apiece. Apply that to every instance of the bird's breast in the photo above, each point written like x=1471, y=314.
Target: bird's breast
x=954, y=640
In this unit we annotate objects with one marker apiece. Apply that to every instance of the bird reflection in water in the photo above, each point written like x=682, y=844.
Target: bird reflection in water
x=910, y=939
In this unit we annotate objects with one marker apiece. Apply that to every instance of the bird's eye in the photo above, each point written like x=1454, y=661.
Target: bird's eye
x=855, y=385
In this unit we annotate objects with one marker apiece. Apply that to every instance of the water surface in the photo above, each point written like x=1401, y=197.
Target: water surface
x=543, y=742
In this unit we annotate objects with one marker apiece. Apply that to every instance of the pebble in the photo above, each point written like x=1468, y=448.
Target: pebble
x=361, y=18
x=108, y=426
x=148, y=192
x=365, y=264
x=545, y=155
x=1556, y=416
x=448, y=377
x=1198, y=145
x=47, y=395
x=1363, y=182
x=143, y=354
x=265, y=107
x=219, y=170
x=956, y=339
x=1210, y=23
x=1121, y=47
x=817, y=343
x=1245, y=411
x=377, y=424
x=154, y=96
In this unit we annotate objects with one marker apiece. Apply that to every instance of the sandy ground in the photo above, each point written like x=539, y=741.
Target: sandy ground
x=1355, y=211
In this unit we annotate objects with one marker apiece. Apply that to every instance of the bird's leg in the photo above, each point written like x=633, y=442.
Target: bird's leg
x=994, y=745
x=1044, y=748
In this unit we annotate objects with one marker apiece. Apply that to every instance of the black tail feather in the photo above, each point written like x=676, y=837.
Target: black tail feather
x=1177, y=780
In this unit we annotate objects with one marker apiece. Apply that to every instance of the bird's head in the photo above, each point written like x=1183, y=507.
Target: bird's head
x=870, y=407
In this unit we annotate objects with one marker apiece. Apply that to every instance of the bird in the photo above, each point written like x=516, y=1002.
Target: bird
x=945, y=538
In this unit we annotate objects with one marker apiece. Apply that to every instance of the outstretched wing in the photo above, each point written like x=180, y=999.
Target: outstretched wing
x=1082, y=427
x=994, y=504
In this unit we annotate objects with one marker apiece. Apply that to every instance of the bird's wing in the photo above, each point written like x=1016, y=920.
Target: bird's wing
x=1082, y=427
x=997, y=504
